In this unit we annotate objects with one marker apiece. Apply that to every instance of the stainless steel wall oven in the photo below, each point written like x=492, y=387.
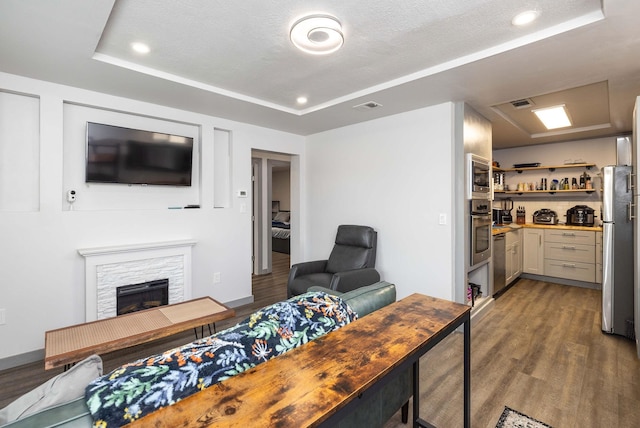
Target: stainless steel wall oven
x=480, y=231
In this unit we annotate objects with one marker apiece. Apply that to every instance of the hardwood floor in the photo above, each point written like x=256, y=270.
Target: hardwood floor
x=539, y=351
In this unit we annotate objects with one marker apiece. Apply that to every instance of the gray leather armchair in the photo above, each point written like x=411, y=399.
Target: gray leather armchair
x=350, y=265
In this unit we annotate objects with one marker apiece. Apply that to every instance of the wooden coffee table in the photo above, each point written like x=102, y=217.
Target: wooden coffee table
x=69, y=345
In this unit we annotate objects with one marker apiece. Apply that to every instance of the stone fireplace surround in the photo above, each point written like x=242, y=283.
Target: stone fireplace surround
x=107, y=268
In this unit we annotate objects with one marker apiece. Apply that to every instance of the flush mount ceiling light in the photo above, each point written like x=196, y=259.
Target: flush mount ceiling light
x=525, y=18
x=317, y=34
x=553, y=117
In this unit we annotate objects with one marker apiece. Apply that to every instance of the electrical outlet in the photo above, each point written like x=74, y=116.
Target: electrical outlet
x=216, y=278
x=3, y=316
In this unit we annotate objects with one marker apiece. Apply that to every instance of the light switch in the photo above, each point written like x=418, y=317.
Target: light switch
x=442, y=219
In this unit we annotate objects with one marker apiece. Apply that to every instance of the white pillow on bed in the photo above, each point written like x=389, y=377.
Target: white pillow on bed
x=282, y=217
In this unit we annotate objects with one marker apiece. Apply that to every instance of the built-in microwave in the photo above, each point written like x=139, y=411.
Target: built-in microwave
x=478, y=177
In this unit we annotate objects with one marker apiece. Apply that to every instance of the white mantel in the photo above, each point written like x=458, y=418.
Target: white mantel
x=107, y=268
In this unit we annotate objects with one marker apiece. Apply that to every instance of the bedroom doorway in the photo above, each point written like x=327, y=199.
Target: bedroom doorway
x=271, y=201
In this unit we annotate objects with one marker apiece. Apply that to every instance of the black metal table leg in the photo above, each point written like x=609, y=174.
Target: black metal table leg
x=467, y=373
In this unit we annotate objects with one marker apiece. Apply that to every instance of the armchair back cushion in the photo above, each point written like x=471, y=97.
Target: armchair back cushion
x=355, y=248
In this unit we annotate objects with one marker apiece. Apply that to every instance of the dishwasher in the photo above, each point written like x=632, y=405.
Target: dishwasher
x=499, y=265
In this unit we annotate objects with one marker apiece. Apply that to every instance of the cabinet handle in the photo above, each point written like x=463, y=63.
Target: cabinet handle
x=568, y=234
x=568, y=247
x=569, y=265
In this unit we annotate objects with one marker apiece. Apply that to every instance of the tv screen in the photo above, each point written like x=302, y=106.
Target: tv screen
x=133, y=156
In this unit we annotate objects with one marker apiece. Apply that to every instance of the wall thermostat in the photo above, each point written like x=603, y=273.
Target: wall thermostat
x=242, y=193
x=71, y=196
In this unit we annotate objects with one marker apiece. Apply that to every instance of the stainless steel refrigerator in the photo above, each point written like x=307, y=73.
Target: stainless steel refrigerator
x=617, y=251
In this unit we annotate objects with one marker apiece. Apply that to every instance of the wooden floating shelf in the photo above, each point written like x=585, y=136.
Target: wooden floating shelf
x=524, y=192
x=550, y=168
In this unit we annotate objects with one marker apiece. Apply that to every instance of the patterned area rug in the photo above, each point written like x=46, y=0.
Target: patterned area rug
x=513, y=419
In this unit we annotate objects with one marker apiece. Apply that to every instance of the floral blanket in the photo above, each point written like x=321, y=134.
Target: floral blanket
x=139, y=388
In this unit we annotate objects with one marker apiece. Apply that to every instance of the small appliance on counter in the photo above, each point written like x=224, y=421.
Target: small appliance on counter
x=502, y=211
x=580, y=215
x=545, y=216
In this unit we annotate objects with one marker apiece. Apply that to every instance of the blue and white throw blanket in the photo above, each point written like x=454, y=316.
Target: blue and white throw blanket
x=139, y=388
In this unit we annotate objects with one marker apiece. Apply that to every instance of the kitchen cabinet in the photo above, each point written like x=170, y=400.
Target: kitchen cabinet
x=533, y=251
x=530, y=178
x=599, y=257
x=513, y=256
x=570, y=254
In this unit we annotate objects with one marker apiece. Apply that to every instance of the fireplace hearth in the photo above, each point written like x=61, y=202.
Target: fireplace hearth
x=146, y=295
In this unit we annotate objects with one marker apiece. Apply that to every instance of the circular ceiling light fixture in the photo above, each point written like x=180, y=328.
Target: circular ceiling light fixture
x=525, y=18
x=317, y=34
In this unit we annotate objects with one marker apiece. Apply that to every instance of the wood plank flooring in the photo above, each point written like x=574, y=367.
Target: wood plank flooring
x=539, y=351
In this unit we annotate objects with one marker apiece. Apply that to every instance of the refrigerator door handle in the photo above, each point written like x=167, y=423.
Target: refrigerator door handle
x=630, y=210
x=607, y=277
x=630, y=185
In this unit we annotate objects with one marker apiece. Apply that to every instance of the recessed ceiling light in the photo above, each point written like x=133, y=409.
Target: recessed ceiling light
x=317, y=34
x=553, y=117
x=140, y=48
x=525, y=18
x=301, y=100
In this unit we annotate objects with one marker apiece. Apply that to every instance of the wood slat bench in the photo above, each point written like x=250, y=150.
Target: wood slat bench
x=69, y=345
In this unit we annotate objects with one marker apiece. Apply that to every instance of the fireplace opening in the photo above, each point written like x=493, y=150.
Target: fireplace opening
x=146, y=295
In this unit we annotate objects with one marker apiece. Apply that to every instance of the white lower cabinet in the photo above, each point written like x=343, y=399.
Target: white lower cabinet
x=570, y=254
x=599, y=257
x=533, y=251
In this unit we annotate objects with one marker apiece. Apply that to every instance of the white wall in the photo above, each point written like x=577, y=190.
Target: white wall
x=394, y=174
x=600, y=151
x=281, y=187
x=41, y=273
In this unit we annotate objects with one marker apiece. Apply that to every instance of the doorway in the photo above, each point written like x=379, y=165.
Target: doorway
x=272, y=196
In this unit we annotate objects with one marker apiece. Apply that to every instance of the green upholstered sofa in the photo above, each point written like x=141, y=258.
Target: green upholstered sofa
x=374, y=410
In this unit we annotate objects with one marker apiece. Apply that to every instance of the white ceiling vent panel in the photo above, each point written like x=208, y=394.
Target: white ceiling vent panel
x=369, y=105
x=523, y=103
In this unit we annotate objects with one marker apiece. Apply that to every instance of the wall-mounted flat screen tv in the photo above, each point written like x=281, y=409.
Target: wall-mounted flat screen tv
x=132, y=156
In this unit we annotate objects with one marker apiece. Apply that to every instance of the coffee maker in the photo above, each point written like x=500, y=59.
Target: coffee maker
x=502, y=211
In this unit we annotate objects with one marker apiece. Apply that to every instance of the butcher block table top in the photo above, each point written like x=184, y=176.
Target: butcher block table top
x=72, y=344
x=309, y=386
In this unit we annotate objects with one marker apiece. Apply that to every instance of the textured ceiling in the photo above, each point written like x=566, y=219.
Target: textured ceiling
x=234, y=59
x=243, y=47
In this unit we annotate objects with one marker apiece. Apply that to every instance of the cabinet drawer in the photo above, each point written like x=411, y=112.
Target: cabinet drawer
x=570, y=252
x=599, y=273
x=570, y=236
x=570, y=270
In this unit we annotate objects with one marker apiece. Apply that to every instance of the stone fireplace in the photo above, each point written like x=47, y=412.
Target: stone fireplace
x=107, y=268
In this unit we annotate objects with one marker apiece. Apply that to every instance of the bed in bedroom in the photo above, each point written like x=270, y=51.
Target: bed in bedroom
x=280, y=229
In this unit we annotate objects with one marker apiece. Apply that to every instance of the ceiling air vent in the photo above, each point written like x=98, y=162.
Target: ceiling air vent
x=367, y=106
x=523, y=103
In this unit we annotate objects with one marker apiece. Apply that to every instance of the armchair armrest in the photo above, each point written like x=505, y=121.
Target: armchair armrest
x=305, y=268
x=352, y=279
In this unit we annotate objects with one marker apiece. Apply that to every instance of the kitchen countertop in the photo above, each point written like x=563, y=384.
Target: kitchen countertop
x=506, y=228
